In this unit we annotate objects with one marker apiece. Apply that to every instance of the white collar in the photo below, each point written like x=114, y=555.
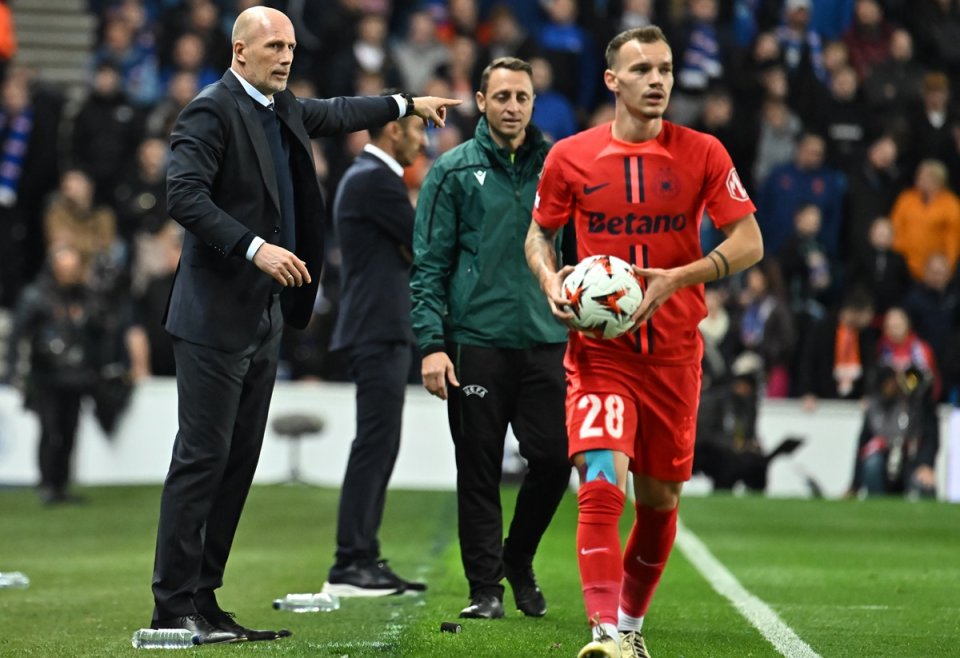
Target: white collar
x=252, y=91
x=391, y=162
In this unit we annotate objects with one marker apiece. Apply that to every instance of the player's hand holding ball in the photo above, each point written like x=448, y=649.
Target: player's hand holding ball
x=602, y=295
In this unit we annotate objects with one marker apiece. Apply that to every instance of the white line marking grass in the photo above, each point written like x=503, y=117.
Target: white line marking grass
x=758, y=613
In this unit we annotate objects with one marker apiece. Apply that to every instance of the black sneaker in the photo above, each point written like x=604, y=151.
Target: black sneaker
x=364, y=579
x=526, y=592
x=408, y=585
x=483, y=606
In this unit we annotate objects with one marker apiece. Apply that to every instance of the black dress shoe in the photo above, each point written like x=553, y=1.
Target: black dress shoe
x=483, y=606
x=227, y=621
x=408, y=585
x=198, y=624
x=526, y=592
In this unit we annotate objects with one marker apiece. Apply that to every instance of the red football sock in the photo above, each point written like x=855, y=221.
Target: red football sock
x=645, y=556
x=598, y=548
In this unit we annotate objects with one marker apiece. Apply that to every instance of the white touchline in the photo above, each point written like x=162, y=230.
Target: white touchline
x=758, y=613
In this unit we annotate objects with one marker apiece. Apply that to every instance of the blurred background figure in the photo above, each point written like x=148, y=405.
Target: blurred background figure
x=58, y=320
x=728, y=449
x=926, y=219
x=895, y=453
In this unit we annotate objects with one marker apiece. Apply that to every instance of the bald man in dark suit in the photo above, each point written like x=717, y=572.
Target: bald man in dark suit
x=241, y=181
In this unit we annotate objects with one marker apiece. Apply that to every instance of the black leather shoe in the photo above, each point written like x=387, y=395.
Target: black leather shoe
x=483, y=606
x=198, y=624
x=408, y=585
x=227, y=621
x=526, y=592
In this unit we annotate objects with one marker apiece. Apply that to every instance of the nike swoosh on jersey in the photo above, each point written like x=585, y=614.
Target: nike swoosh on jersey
x=588, y=551
x=590, y=190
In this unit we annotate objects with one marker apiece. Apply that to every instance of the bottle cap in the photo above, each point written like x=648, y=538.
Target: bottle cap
x=450, y=627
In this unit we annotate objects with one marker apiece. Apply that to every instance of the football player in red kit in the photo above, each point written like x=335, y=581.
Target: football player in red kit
x=637, y=188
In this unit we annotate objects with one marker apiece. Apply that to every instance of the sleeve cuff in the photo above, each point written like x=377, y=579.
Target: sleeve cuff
x=432, y=349
x=401, y=104
x=254, y=246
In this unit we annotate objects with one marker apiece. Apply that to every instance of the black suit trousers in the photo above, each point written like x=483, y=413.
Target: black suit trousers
x=380, y=371
x=525, y=389
x=223, y=400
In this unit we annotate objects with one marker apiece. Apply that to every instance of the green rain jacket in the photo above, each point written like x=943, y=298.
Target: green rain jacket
x=470, y=281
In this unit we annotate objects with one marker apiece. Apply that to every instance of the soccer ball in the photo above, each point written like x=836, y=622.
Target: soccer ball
x=602, y=293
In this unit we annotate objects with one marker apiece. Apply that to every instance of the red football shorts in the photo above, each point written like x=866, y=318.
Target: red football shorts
x=648, y=412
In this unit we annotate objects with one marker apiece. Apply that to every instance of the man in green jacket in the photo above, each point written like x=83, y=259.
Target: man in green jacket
x=484, y=329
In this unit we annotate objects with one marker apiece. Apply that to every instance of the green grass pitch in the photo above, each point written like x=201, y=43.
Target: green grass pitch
x=872, y=578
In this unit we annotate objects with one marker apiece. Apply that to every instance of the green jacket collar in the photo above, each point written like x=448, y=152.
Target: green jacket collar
x=532, y=144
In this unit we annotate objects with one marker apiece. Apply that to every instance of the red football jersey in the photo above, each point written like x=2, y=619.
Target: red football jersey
x=643, y=202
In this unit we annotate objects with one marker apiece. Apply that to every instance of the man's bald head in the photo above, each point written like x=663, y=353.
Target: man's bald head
x=263, y=43
x=257, y=18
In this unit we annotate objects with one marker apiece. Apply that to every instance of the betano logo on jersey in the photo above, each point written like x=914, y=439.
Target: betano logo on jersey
x=631, y=224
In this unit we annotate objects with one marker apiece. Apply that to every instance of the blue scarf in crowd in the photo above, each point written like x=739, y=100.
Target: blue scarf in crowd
x=13, y=153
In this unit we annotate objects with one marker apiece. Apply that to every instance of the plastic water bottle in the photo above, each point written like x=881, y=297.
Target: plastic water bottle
x=319, y=602
x=165, y=638
x=13, y=580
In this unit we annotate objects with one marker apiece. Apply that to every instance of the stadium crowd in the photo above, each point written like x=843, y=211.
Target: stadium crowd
x=838, y=115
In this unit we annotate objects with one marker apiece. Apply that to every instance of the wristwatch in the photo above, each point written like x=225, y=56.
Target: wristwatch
x=409, y=99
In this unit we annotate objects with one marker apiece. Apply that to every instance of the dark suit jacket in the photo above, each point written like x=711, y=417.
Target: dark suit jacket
x=221, y=187
x=374, y=220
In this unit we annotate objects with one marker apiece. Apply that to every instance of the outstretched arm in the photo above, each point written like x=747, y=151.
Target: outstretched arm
x=742, y=248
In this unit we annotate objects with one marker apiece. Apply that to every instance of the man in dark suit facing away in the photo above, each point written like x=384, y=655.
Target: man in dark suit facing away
x=373, y=217
x=241, y=182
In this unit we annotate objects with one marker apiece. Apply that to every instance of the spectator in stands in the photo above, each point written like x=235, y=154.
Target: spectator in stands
x=136, y=63
x=838, y=353
x=894, y=83
x=808, y=275
x=702, y=46
x=72, y=218
x=933, y=306
x=570, y=48
x=58, y=316
x=926, y=219
x=802, y=49
x=369, y=53
x=140, y=198
x=189, y=54
x=844, y=121
x=930, y=124
x=106, y=131
x=868, y=38
x=895, y=453
x=201, y=17
x=805, y=180
x=879, y=270
x=872, y=190
x=552, y=111
x=28, y=173
x=508, y=38
x=181, y=89
x=463, y=20
x=721, y=119
x=636, y=13
x=420, y=53
x=766, y=326
x=778, y=130
x=461, y=74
